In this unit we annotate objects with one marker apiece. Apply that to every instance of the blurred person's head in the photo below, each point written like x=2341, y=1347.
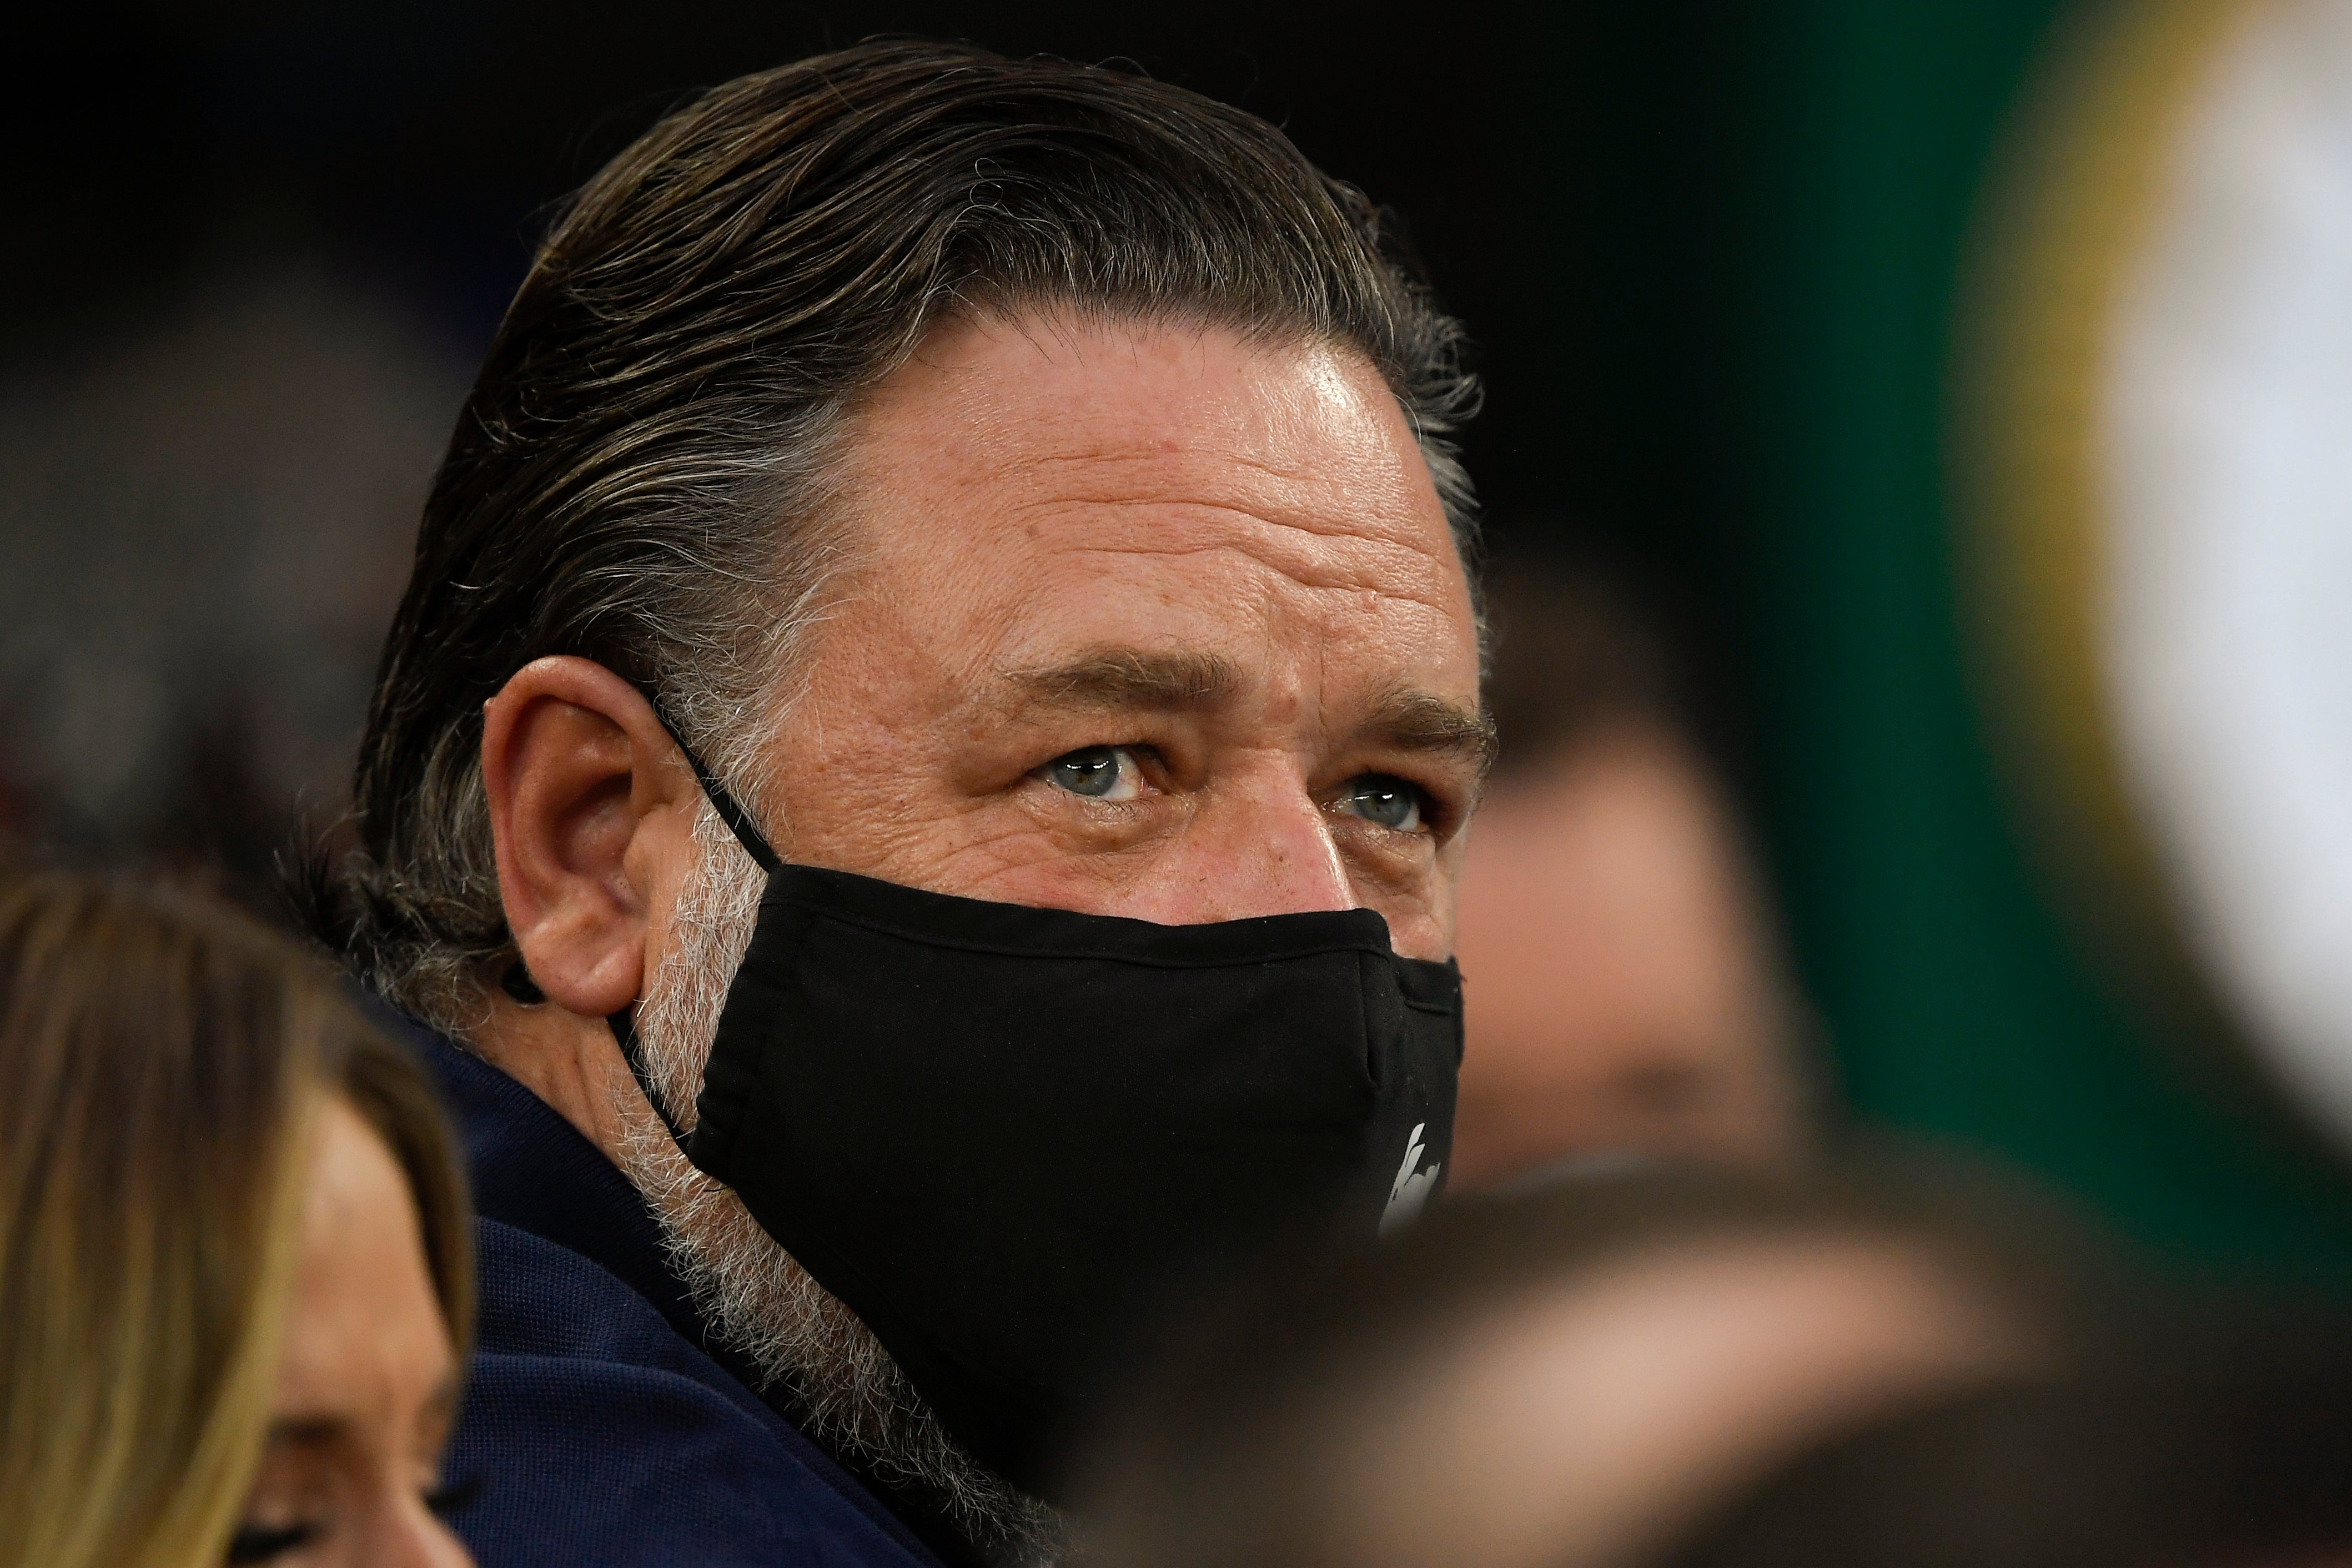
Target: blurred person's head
x=235, y=1276
x=2169, y=1465
x=1559, y=1380
x=1020, y=483
x=1627, y=992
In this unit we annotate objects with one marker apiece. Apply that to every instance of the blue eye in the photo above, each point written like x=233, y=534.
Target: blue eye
x=1383, y=800
x=1098, y=772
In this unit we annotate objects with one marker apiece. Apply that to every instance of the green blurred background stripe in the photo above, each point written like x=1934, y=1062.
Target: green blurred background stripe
x=1958, y=1004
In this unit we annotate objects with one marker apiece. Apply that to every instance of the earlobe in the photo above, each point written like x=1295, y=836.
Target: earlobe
x=582, y=785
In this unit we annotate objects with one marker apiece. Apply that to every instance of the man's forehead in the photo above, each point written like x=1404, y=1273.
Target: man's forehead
x=1194, y=628
x=1099, y=493
x=1044, y=412
x=1258, y=386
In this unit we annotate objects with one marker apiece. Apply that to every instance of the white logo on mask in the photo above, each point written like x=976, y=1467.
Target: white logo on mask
x=1410, y=1190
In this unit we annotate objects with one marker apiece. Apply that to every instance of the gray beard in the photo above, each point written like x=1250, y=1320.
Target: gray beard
x=848, y=1391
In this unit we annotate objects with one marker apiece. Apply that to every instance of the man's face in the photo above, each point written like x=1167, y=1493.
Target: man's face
x=1144, y=621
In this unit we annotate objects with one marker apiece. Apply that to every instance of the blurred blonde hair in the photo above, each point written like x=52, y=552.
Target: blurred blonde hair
x=162, y=1062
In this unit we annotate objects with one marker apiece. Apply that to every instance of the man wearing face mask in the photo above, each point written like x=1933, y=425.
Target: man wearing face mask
x=917, y=786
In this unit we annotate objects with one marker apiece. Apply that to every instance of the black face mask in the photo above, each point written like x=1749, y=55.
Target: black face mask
x=1002, y=1134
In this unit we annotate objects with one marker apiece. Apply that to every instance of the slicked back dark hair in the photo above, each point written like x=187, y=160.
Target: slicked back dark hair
x=640, y=475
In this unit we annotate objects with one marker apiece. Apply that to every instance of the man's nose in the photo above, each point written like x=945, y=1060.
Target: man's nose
x=1264, y=851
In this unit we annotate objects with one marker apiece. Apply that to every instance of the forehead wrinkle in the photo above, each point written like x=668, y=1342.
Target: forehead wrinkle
x=1143, y=470
x=1294, y=534
x=1440, y=555
x=1322, y=582
x=1367, y=508
x=1154, y=454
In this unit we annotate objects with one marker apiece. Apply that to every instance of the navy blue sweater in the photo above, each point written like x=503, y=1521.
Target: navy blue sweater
x=599, y=1417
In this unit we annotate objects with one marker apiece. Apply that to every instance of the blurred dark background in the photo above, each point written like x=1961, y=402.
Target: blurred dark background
x=1710, y=253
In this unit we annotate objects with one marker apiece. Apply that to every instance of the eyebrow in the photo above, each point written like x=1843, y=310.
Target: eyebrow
x=317, y=1431
x=1424, y=722
x=1113, y=679
x=1129, y=678
x=306, y=1431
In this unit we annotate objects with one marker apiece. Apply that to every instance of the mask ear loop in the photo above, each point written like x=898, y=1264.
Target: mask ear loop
x=624, y=1024
x=739, y=821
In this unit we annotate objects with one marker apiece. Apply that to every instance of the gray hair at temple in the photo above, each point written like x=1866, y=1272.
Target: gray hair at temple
x=641, y=474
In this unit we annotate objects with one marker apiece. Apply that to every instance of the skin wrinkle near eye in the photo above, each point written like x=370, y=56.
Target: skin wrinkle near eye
x=1104, y=867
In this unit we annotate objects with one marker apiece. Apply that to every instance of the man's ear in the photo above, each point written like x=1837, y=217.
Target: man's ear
x=592, y=810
